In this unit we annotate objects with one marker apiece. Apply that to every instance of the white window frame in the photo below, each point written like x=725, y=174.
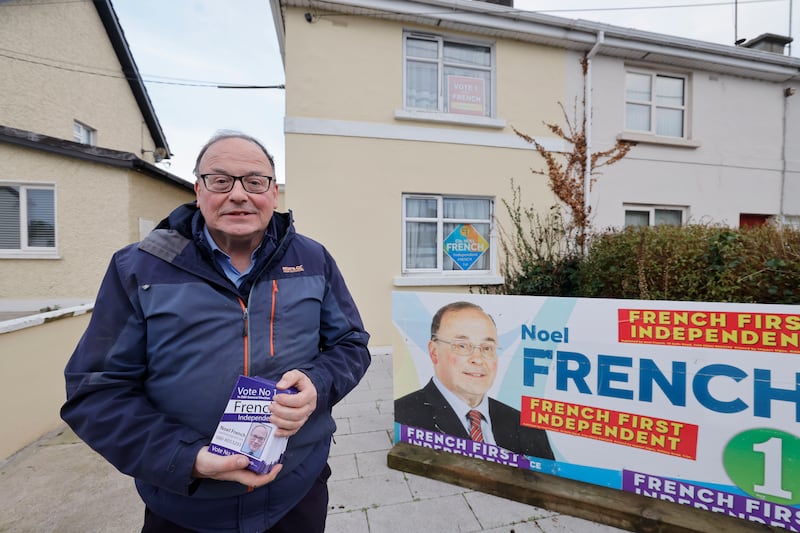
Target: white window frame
x=651, y=209
x=654, y=106
x=437, y=275
x=25, y=251
x=439, y=115
x=81, y=133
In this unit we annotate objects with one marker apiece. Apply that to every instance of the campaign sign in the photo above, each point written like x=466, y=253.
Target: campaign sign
x=688, y=402
x=465, y=245
x=466, y=95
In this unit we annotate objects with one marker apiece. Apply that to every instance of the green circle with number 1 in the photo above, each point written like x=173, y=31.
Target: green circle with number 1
x=765, y=463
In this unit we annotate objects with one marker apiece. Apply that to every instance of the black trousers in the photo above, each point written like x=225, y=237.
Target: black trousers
x=308, y=516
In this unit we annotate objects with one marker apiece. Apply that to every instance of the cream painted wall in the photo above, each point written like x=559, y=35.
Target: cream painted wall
x=153, y=200
x=93, y=218
x=328, y=82
x=32, y=370
x=361, y=225
x=64, y=69
x=346, y=191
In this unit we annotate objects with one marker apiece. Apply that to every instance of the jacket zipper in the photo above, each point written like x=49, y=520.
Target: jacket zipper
x=245, y=339
x=272, y=319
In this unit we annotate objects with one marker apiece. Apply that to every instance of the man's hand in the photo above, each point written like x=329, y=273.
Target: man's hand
x=290, y=411
x=230, y=468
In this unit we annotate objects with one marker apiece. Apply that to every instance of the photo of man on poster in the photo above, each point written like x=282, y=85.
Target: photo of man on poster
x=256, y=438
x=463, y=351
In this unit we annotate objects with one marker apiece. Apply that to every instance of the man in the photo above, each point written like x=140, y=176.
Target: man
x=222, y=287
x=463, y=350
x=254, y=443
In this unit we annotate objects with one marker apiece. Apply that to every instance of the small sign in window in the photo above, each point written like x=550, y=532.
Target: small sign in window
x=466, y=95
x=465, y=245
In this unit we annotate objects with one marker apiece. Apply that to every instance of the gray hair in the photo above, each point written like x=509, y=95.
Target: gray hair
x=221, y=135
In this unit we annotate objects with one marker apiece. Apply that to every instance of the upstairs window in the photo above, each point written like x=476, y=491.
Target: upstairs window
x=27, y=219
x=81, y=133
x=448, y=76
x=447, y=234
x=655, y=104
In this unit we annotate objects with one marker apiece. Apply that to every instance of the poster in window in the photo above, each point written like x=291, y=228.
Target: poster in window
x=465, y=245
x=465, y=95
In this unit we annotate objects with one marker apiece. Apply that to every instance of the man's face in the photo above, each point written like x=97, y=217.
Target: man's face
x=256, y=439
x=236, y=219
x=467, y=376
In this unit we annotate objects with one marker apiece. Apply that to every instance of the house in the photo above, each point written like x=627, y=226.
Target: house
x=79, y=140
x=400, y=145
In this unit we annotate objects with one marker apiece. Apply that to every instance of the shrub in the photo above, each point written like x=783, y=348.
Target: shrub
x=696, y=262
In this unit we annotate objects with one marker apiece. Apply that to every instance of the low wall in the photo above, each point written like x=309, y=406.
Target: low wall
x=33, y=353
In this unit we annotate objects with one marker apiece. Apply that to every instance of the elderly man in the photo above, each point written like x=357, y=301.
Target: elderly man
x=463, y=350
x=222, y=287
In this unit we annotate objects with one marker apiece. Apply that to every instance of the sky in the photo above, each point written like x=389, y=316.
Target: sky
x=184, y=49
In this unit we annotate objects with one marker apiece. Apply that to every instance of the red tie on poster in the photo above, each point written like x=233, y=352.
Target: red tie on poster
x=475, y=432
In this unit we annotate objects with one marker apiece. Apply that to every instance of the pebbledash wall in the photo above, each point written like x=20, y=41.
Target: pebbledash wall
x=33, y=352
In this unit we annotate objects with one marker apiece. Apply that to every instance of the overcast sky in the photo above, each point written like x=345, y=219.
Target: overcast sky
x=185, y=48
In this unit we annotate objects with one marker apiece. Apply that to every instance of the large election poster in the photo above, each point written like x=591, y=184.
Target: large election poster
x=694, y=403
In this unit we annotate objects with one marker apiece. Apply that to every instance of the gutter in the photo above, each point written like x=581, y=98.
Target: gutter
x=83, y=152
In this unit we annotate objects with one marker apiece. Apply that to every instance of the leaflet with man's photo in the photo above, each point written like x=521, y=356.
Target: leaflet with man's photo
x=245, y=426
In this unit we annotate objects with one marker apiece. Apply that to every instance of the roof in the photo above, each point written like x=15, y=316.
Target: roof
x=483, y=18
x=85, y=152
x=111, y=23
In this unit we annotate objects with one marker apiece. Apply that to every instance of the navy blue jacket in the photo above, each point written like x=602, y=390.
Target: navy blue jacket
x=168, y=337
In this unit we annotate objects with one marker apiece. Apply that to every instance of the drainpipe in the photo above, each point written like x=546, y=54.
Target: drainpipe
x=787, y=93
x=587, y=110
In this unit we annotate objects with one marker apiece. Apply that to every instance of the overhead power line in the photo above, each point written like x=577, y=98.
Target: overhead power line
x=92, y=71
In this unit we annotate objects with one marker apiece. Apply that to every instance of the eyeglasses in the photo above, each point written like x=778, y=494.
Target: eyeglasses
x=466, y=348
x=224, y=183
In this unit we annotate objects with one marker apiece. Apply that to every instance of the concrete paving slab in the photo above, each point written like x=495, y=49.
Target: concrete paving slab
x=343, y=467
x=493, y=512
x=360, y=442
x=60, y=484
x=445, y=514
x=368, y=492
x=423, y=488
x=347, y=522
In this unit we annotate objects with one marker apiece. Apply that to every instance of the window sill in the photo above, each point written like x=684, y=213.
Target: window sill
x=431, y=280
x=646, y=138
x=450, y=118
x=17, y=254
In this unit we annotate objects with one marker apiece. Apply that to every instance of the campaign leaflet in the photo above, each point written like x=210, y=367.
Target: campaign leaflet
x=245, y=426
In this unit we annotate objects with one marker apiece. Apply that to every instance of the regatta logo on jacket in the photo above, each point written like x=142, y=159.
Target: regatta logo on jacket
x=292, y=269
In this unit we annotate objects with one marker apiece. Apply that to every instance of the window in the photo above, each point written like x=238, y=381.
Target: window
x=81, y=133
x=655, y=104
x=448, y=76
x=27, y=219
x=447, y=234
x=653, y=216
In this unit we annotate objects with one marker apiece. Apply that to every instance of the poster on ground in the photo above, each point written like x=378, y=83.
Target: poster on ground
x=689, y=402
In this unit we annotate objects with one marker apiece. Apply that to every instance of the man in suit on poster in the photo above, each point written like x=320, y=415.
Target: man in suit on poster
x=463, y=350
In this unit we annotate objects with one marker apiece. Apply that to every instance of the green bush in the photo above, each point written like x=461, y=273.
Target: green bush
x=694, y=262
